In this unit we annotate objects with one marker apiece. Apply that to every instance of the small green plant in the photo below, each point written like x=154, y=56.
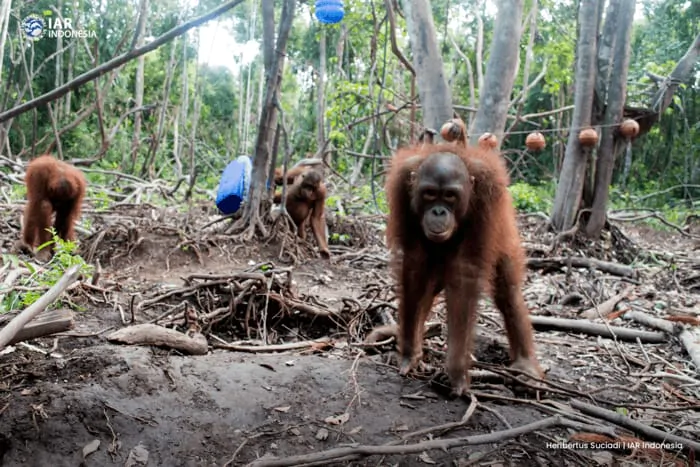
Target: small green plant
x=33, y=286
x=529, y=198
x=342, y=239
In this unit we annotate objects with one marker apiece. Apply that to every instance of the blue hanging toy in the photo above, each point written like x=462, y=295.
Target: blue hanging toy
x=330, y=11
x=234, y=185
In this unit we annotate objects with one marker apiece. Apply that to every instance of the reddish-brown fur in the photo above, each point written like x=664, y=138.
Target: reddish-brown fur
x=306, y=200
x=484, y=250
x=53, y=186
x=292, y=174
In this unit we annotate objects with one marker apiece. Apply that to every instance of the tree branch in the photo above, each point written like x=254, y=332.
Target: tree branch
x=115, y=62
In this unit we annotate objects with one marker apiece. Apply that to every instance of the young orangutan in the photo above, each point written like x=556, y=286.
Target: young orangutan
x=306, y=203
x=452, y=227
x=53, y=187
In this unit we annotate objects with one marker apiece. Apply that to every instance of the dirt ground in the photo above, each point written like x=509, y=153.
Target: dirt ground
x=78, y=399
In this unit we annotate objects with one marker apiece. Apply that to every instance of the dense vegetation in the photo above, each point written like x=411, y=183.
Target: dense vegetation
x=192, y=113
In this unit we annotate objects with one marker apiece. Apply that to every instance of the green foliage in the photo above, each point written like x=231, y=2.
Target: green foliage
x=65, y=256
x=531, y=198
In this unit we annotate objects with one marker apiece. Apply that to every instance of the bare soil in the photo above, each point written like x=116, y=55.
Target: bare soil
x=62, y=395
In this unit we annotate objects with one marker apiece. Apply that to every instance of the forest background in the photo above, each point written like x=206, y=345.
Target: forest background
x=183, y=111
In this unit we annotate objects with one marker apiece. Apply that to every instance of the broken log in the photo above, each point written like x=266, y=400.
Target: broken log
x=546, y=323
x=47, y=323
x=18, y=322
x=152, y=334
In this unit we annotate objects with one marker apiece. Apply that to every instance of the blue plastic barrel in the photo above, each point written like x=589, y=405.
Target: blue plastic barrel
x=330, y=11
x=234, y=185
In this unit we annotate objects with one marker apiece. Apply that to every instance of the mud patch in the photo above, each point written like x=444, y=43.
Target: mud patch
x=198, y=410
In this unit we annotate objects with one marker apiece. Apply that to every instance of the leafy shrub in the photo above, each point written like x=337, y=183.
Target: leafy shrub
x=531, y=198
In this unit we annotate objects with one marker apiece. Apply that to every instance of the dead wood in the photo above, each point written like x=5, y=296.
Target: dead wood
x=607, y=307
x=13, y=327
x=637, y=427
x=687, y=338
x=47, y=323
x=152, y=334
x=546, y=323
x=318, y=343
x=336, y=454
x=579, y=262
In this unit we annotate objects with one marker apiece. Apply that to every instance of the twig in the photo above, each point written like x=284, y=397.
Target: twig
x=544, y=323
x=637, y=427
x=607, y=307
x=8, y=332
x=444, y=444
x=578, y=262
x=273, y=347
x=686, y=337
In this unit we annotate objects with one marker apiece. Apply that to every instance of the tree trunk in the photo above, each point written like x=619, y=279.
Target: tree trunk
x=605, y=56
x=138, y=92
x=435, y=95
x=616, y=93
x=494, y=97
x=162, y=111
x=4, y=26
x=680, y=73
x=570, y=186
x=71, y=59
x=321, y=109
x=267, y=125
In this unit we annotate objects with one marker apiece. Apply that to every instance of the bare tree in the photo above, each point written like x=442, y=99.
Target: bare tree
x=494, y=97
x=614, y=108
x=435, y=94
x=251, y=219
x=570, y=186
x=116, y=62
x=138, y=91
x=321, y=90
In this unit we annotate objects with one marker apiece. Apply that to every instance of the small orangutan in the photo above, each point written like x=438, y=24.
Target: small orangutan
x=452, y=227
x=306, y=200
x=299, y=168
x=53, y=186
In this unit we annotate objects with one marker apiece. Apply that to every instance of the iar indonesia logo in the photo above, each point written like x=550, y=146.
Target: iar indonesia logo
x=36, y=27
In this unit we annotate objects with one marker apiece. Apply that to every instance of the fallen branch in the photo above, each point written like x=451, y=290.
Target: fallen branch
x=546, y=323
x=116, y=61
x=442, y=444
x=152, y=334
x=13, y=327
x=637, y=427
x=607, y=307
x=275, y=347
x=690, y=344
x=578, y=262
x=45, y=324
x=685, y=336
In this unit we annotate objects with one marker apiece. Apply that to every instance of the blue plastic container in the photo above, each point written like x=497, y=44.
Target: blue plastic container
x=330, y=11
x=234, y=185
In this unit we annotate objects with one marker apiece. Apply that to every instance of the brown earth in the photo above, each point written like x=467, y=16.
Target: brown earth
x=61, y=396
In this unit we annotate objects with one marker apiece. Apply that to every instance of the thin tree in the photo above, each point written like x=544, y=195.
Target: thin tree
x=494, y=96
x=570, y=186
x=251, y=218
x=435, y=94
x=614, y=108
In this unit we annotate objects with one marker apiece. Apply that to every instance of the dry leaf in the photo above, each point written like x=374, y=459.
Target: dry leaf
x=338, y=419
x=322, y=434
x=355, y=430
x=91, y=447
x=283, y=409
x=426, y=458
x=137, y=456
